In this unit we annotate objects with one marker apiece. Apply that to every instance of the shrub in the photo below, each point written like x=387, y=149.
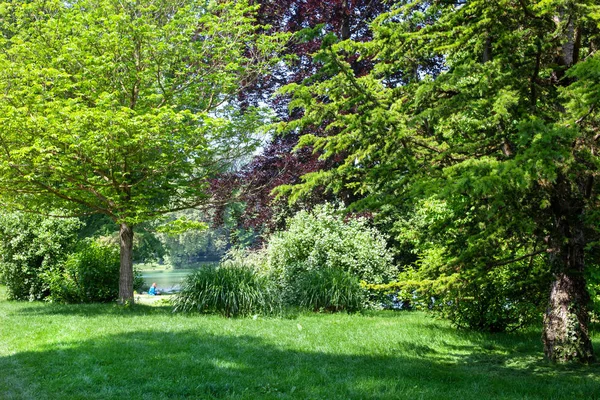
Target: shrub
x=497, y=302
x=321, y=244
x=463, y=270
x=593, y=286
x=230, y=289
x=31, y=249
x=91, y=274
x=502, y=299
x=329, y=289
x=255, y=259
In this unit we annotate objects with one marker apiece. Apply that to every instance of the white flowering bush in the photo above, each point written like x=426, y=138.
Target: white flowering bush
x=321, y=240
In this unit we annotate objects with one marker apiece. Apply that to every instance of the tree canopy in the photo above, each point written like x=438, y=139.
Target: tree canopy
x=124, y=108
x=278, y=164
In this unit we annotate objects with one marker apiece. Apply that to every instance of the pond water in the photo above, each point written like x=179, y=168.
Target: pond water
x=168, y=280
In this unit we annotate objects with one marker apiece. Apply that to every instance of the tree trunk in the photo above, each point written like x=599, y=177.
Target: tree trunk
x=566, y=337
x=487, y=50
x=126, y=271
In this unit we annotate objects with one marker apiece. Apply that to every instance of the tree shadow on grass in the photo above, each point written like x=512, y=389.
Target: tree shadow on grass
x=91, y=310
x=198, y=365
x=517, y=351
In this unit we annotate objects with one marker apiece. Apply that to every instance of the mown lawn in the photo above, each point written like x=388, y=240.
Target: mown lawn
x=50, y=351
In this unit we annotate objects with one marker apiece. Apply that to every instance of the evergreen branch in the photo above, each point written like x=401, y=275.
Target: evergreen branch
x=513, y=260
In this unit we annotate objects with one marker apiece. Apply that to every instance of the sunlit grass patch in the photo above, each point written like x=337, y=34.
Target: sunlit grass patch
x=103, y=351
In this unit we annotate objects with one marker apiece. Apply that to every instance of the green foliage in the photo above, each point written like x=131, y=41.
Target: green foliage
x=326, y=289
x=322, y=239
x=32, y=248
x=231, y=289
x=329, y=289
x=469, y=271
x=255, y=259
x=504, y=299
x=147, y=247
x=89, y=275
x=126, y=108
x=196, y=243
x=486, y=110
x=181, y=225
x=321, y=255
x=42, y=258
x=593, y=281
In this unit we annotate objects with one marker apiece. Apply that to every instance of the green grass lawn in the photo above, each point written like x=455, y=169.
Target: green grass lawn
x=50, y=351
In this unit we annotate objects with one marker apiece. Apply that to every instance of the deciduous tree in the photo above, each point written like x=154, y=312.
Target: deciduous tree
x=278, y=164
x=124, y=107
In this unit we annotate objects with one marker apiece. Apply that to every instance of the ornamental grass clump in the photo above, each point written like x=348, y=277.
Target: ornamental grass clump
x=329, y=290
x=231, y=289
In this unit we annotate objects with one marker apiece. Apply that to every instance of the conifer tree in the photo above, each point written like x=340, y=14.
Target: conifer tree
x=491, y=109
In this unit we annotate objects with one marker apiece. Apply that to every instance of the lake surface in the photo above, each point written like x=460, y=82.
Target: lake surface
x=166, y=280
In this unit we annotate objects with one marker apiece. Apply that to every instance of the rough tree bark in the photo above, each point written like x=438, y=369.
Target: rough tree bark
x=566, y=320
x=126, y=271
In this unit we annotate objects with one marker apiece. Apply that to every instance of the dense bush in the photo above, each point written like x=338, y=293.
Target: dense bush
x=472, y=270
x=31, y=249
x=593, y=284
x=91, y=274
x=329, y=289
x=316, y=264
x=322, y=249
x=230, y=289
x=501, y=299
